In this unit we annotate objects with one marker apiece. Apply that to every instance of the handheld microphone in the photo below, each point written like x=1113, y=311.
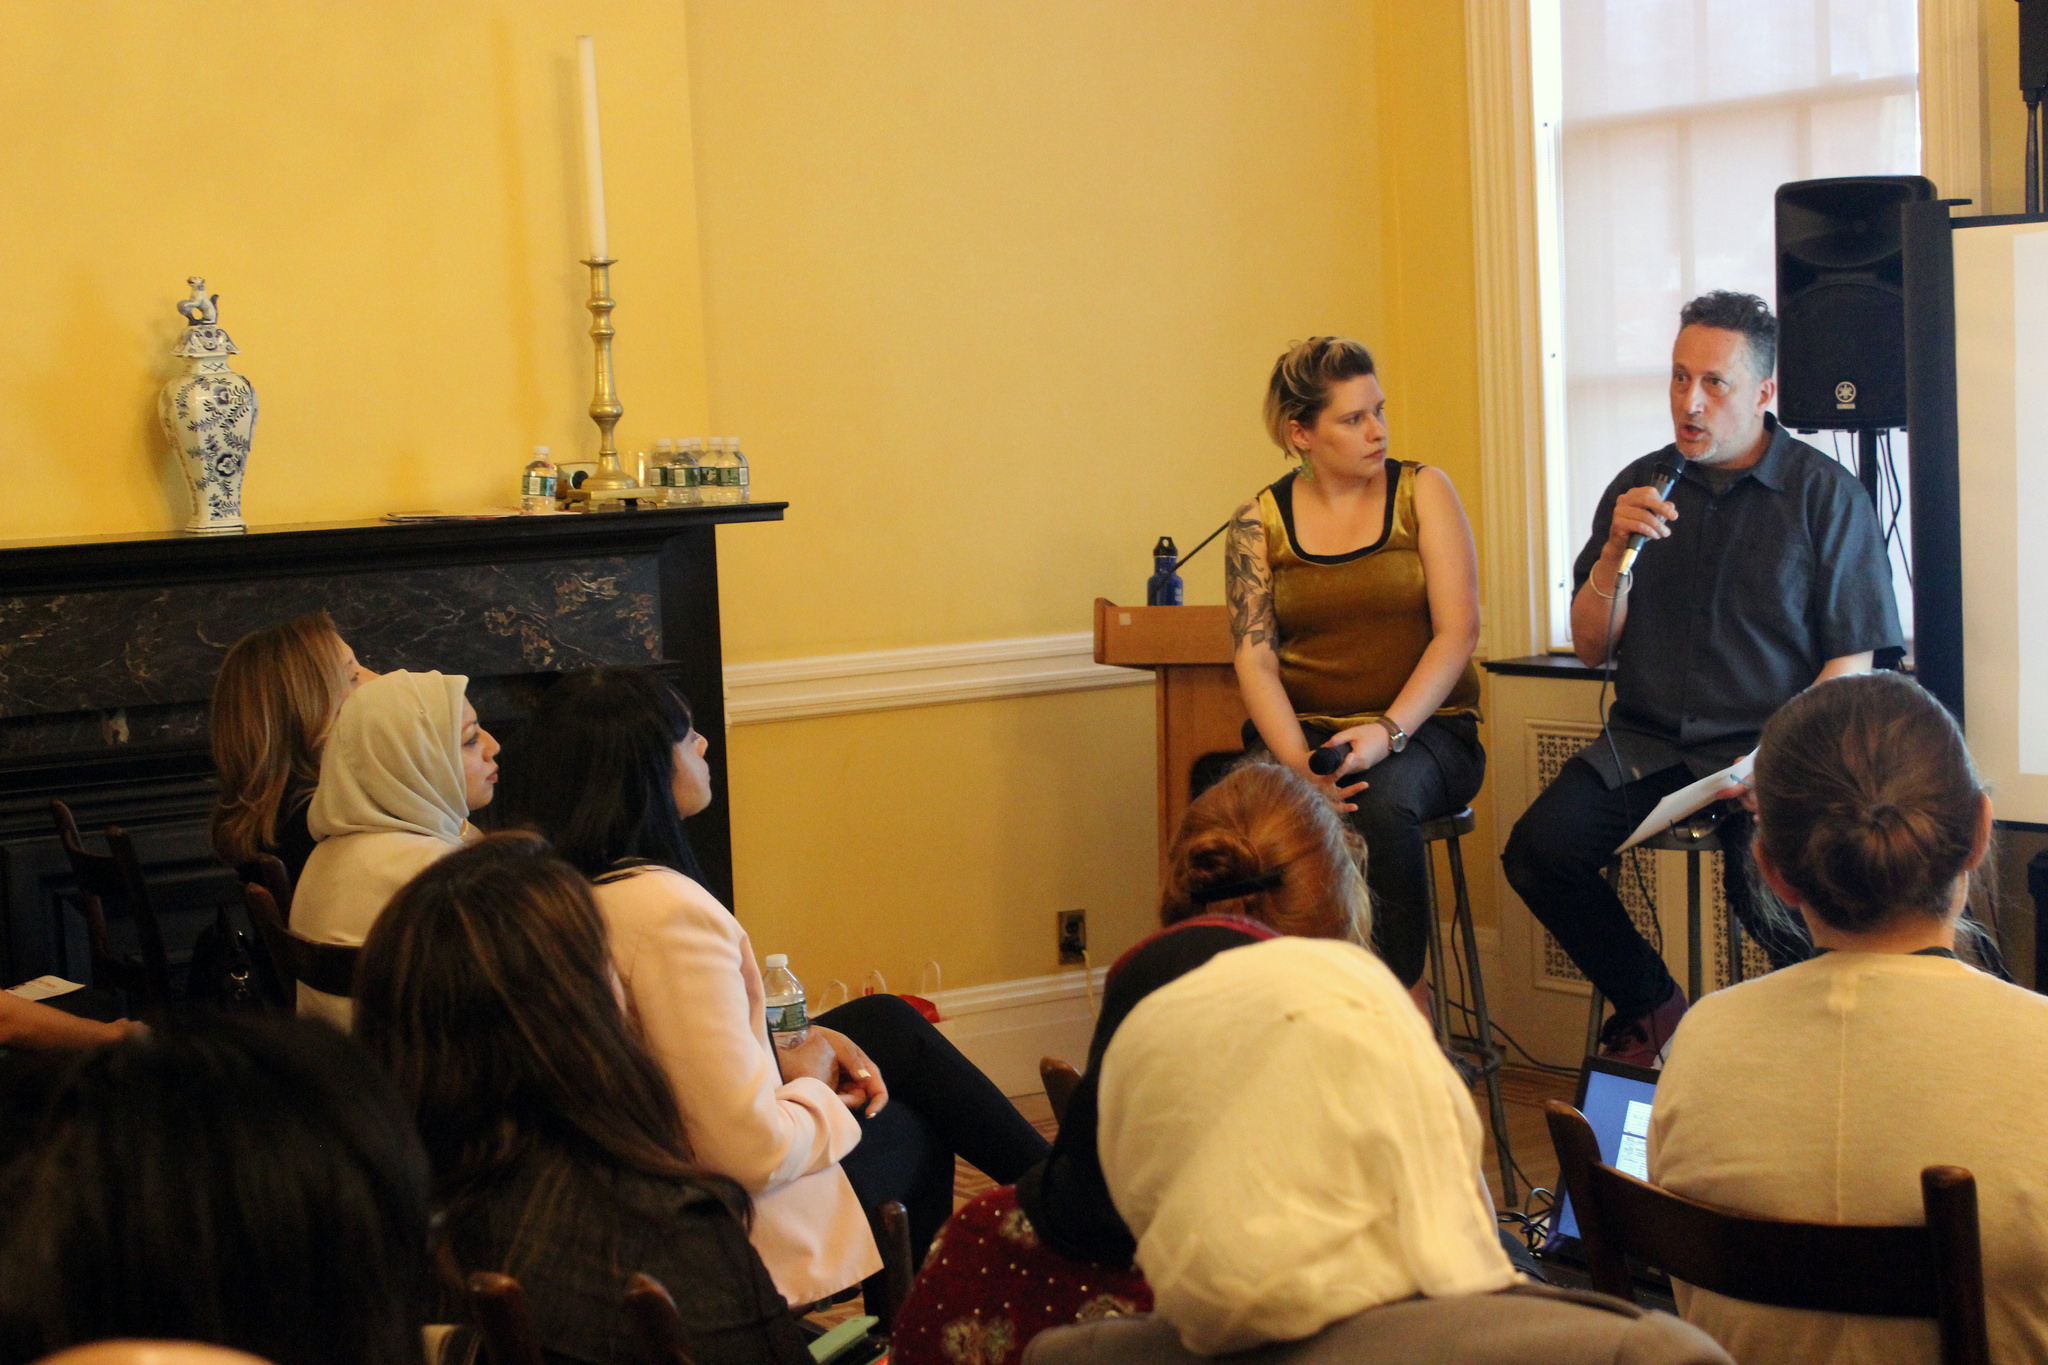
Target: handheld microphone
x=1326, y=760
x=1665, y=477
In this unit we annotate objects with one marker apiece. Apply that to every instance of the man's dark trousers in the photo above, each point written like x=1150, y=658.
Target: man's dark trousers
x=1557, y=858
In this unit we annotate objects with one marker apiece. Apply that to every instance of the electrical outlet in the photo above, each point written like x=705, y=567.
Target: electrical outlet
x=1070, y=936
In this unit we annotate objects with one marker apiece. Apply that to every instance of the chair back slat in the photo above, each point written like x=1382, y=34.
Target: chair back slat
x=499, y=1305
x=1935, y=1270
x=326, y=967
x=115, y=876
x=269, y=870
x=1060, y=1081
x=656, y=1321
x=892, y=1238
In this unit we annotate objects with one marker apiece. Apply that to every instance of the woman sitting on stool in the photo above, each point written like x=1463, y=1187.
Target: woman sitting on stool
x=1354, y=605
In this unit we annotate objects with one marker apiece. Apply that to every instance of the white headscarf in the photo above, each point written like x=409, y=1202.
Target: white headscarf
x=391, y=801
x=393, y=761
x=1290, y=1147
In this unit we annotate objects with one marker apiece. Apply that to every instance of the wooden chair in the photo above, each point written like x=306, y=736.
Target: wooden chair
x=656, y=1321
x=891, y=1224
x=1059, y=1079
x=326, y=967
x=268, y=871
x=116, y=876
x=1931, y=1271
x=499, y=1306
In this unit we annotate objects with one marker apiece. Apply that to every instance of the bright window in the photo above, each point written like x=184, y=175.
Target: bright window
x=1664, y=128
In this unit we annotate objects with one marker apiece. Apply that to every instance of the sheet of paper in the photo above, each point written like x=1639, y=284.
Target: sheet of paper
x=43, y=987
x=1686, y=800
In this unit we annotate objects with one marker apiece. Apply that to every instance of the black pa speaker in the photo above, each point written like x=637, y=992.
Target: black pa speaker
x=1842, y=302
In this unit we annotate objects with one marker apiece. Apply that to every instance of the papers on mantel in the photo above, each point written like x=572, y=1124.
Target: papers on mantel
x=1686, y=800
x=474, y=514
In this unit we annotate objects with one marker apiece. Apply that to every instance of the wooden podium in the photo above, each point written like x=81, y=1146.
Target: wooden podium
x=1200, y=712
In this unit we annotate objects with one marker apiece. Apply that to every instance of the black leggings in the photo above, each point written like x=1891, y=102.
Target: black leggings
x=940, y=1105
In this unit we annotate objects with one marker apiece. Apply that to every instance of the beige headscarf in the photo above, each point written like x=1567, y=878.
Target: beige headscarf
x=393, y=761
x=1290, y=1147
x=390, y=802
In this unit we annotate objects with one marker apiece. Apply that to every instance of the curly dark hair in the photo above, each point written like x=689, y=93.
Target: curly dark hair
x=1735, y=312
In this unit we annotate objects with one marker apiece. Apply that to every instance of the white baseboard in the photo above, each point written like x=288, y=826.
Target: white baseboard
x=887, y=679
x=1005, y=1027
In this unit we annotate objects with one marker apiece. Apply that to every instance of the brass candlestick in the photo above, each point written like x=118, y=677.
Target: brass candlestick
x=605, y=408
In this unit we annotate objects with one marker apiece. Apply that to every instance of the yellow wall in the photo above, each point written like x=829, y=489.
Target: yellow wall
x=386, y=198
x=990, y=291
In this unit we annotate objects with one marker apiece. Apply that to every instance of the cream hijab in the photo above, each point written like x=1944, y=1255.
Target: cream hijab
x=1290, y=1148
x=390, y=802
x=393, y=761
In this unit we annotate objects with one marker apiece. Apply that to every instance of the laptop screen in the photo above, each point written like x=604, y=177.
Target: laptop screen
x=1615, y=1098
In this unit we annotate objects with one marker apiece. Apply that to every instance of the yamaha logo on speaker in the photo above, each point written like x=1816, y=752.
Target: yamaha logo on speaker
x=1845, y=395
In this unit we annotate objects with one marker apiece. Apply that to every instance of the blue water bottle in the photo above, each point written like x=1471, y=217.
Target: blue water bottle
x=1164, y=588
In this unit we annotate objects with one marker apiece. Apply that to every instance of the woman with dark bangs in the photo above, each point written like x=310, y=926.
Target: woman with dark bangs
x=487, y=991
x=872, y=1107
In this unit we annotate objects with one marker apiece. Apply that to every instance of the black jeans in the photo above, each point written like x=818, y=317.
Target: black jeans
x=1438, y=774
x=1556, y=860
x=940, y=1105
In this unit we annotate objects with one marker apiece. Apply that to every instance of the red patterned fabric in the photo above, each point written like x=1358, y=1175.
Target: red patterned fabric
x=988, y=1286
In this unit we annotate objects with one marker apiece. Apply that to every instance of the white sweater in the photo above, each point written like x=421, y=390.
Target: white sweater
x=689, y=969
x=1821, y=1091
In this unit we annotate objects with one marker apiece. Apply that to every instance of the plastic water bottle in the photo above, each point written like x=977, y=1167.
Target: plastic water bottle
x=537, y=485
x=789, y=1019
x=685, y=481
x=720, y=474
x=658, y=467
x=739, y=471
x=1164, y=588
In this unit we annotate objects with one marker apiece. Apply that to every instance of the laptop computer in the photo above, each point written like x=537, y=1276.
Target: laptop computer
x=1615, y=1098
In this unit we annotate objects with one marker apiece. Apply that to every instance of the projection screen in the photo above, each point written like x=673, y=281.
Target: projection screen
x=2001, y=330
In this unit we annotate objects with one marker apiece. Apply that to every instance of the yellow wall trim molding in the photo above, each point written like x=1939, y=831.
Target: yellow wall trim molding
x=890, y=679
x=1006, y=1026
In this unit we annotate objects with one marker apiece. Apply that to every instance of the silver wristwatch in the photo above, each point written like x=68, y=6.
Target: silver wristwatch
x=1397, y=738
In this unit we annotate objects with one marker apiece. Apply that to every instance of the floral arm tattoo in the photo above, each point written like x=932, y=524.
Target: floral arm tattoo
x=1248, y=581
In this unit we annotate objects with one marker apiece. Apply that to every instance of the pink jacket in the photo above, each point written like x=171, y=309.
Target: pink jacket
x=690, y=973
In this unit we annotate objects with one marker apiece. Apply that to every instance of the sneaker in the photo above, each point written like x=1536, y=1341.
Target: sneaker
x=1640, y=1039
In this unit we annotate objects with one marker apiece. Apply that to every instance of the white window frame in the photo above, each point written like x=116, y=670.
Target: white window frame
x=1525, y=541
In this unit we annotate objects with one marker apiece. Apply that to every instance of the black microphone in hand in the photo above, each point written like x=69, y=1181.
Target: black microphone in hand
x=1665, y=477
x=1326, y=760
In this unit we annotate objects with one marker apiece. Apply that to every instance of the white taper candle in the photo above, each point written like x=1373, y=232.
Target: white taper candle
x=593, y=149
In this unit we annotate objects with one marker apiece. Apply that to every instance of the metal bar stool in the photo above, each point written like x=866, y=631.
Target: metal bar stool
x=1447, y=831
x=1694, y=838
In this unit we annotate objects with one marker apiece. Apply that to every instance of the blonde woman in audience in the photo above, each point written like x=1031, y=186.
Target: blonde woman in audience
x=1300, y=1168
x=872, y=1107
x=487, y=992
x=405, y=764
x=1261, y=853
x=277, y=694
x=1821, y=1091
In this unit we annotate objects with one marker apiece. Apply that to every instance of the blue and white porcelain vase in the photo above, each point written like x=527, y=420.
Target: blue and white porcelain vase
x=209, y=416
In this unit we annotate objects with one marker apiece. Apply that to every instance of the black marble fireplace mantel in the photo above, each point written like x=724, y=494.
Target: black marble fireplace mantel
x=109, y=646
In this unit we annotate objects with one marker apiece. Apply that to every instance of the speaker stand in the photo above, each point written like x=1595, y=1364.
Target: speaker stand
x=1866, y=462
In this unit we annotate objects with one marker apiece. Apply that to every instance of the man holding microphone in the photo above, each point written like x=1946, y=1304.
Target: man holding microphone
x=1761, y=572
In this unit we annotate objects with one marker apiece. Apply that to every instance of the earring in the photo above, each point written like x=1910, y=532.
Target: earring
x=1306, y=470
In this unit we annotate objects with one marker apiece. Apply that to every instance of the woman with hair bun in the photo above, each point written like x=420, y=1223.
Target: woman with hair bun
x=1354, y=608
x=1821, y=1091
x=1259, y=855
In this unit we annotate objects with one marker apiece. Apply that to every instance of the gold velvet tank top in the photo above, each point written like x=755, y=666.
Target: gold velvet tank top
x=1353, y=626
